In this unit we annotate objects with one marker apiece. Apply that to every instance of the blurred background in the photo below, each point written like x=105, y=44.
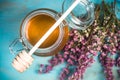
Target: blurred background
x=12, y=12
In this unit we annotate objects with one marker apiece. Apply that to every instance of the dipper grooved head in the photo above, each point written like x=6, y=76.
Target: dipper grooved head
x=22, y=61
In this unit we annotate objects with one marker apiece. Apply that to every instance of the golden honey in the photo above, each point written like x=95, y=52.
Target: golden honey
x=38, y=26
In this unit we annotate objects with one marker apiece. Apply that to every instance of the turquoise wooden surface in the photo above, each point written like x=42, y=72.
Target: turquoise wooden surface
x=12, y=12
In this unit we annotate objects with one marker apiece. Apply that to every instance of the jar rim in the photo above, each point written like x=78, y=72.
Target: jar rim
x=34, y=13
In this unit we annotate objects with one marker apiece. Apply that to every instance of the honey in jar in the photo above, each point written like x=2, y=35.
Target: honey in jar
x=36, y=24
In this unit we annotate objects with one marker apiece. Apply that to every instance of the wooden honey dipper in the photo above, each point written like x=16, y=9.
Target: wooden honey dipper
x=23, y=60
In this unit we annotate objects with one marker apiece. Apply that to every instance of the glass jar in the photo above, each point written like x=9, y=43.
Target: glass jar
x=51, y=49
x=82, y=15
